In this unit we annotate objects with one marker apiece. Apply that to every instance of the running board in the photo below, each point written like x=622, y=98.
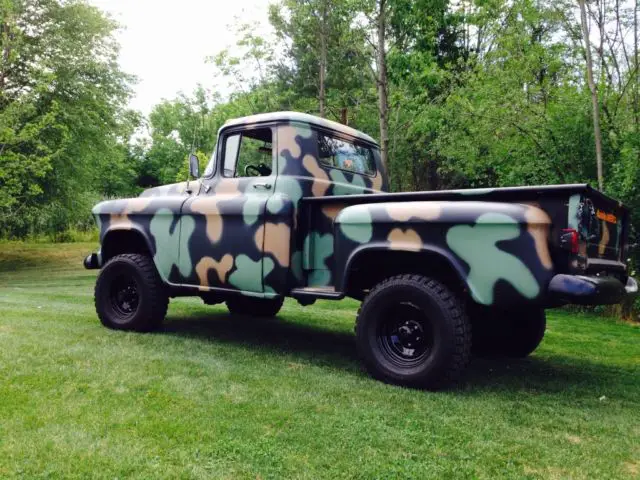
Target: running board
x=312, y=293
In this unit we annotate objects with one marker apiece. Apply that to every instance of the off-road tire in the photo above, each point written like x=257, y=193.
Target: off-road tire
x=439, y=316
x=525, y=332
x=512, y=334
x=253, y=306
x=136, y=272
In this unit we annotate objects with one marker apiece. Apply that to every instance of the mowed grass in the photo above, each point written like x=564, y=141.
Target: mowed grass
x=210, y=396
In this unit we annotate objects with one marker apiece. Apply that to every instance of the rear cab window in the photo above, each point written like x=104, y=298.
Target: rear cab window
x=345, y=155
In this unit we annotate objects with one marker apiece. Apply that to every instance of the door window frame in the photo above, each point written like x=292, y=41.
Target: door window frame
x=226, y=133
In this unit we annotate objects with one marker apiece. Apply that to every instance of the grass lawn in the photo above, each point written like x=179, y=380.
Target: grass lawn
x=214, y=397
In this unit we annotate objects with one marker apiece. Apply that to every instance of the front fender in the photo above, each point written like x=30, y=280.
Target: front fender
x=499, y=250
x=123, y=214
x=134, y=229
x=157, y=220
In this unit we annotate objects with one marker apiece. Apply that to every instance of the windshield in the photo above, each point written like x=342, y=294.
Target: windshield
x=211, y=166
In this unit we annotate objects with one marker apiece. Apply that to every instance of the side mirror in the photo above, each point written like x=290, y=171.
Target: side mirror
x=194, y=166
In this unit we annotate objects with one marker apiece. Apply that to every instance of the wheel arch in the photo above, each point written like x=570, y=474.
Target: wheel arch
x=370, y=264
x=117, y=241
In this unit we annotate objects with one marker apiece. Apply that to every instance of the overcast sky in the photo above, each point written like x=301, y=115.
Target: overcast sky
x=165, y=42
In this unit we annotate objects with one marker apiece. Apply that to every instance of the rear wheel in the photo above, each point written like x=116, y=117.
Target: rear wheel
x=253, y=306
x=412, y=331
x=130, y=295
x=524, y=333
x=514, y=334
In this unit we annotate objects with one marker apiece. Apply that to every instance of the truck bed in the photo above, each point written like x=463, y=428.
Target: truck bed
x=504, y=194
x=600, y=222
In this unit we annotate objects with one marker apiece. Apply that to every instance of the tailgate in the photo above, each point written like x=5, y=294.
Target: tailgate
x=602, y=225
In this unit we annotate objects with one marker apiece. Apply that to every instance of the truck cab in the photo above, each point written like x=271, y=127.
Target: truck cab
x=295, y=205
x=235, y=228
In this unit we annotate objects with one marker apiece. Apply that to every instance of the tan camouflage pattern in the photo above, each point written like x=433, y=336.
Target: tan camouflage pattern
x=306, y=223
x=227, y=234
x=501, y=250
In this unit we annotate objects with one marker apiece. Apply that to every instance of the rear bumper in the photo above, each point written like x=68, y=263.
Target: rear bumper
x=587, y=290
x=92, y=261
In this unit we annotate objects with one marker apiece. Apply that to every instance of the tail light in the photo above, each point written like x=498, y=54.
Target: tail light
x=569, y=239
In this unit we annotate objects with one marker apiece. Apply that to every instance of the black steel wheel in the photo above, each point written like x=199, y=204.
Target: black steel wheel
x=411, y=330
x=130, y=295
x=406, y=337
x=124, y=297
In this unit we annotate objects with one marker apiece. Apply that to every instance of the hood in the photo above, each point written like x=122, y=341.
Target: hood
x=174, y=192
x=170, y=189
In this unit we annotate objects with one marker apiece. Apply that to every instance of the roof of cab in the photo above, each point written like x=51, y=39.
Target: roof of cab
x=300, y=118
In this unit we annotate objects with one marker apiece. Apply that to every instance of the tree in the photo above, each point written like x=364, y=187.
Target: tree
x=176, y=128
x=323, y=54
x=62, y=108
x=594, y=92
x=382, y=77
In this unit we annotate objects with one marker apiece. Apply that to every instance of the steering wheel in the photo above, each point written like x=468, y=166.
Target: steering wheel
x=261, y=169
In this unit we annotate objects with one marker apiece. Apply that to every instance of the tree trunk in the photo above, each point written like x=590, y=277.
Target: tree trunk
x=594, y=93
x=383, y=84
x=322, y=100
x=344, y=117
x=6, y=52
x=635, y=65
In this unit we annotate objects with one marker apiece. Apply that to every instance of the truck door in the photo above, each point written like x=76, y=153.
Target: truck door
x=224, y=238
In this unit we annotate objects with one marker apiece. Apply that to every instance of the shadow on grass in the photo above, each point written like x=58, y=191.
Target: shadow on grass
x=17, y=263
x=574, y=377
x=314, y=344
x=557, y=374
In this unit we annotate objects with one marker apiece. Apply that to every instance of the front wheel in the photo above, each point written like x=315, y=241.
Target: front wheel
x=130, y=295
x=411, y=330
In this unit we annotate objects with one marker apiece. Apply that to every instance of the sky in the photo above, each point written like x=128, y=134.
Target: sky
x=165, y=42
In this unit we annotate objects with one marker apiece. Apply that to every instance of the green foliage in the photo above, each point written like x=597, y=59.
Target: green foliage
x=63, y=125
x=303, y=30
x=482, y=93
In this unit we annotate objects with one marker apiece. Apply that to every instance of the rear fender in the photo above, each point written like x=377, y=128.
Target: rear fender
x=369, y=252
x=500, y=251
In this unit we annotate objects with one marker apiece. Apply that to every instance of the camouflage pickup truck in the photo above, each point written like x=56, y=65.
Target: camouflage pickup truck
x=291, y=205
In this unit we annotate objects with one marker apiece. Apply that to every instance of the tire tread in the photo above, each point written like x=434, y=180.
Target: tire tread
x=158, y=298
x=461, y=324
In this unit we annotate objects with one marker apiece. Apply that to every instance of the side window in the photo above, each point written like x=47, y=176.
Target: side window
x=336, y=153
x=248, y=154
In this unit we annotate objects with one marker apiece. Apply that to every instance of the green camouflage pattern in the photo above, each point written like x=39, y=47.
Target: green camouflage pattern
x=224, y=233
x=500, y=249
x=303, y=225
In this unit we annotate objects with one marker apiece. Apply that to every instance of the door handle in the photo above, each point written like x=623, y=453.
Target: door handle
x=266, y=186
